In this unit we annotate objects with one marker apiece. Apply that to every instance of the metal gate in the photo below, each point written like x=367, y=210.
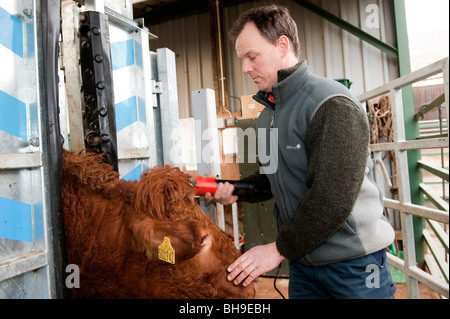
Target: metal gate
x=31, y=243
x=35, y=123
x=403, y=205
x=144, y=89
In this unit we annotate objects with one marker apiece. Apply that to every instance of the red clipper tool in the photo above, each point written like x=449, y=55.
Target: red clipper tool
x=205, y=185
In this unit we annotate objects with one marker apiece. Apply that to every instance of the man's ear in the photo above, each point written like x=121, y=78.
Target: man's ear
x=283, y=45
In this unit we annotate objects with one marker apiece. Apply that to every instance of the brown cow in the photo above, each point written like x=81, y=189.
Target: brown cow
x=114, y=228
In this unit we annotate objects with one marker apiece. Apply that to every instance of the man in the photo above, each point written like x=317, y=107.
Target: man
x=329, y=210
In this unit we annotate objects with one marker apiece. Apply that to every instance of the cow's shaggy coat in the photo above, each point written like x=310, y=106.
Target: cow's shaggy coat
x=114, y=227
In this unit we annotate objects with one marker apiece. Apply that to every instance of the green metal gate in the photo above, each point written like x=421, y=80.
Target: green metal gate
x=401, y=114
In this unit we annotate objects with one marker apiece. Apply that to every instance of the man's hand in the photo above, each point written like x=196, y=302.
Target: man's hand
x=253, y=263
x=223, y=195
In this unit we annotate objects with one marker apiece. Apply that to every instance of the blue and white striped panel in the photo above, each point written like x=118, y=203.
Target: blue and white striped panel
x=21, y=210
x=18, y=107
x=135, y=173
x=21, y=213
x=13, y=111
x=126, y=58
x=11, y=36
x=17, y=220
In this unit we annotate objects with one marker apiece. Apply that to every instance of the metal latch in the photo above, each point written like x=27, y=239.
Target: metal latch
x=157, y=87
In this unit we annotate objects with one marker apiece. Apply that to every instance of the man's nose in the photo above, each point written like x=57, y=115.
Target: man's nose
x=246, y=67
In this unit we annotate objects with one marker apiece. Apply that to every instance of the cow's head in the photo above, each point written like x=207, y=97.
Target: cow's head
x=167, y=210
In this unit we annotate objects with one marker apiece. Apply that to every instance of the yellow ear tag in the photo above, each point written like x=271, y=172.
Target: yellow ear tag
x=166, y=252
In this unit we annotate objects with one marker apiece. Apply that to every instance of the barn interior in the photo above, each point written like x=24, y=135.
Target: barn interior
x=176, y=95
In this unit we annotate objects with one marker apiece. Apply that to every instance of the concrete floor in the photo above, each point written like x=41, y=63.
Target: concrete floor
x=265, y=290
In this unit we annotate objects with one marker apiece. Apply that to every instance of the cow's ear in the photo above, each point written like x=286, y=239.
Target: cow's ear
x=161, y=190
x=171, y=241
x=185, y=235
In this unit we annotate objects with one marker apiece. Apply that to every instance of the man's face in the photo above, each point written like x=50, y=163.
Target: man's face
x=260, y=58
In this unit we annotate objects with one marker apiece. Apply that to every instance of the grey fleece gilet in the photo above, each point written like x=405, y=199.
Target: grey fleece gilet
x=364, y=230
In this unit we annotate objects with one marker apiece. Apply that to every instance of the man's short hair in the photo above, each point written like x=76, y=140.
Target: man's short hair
x=272, y=22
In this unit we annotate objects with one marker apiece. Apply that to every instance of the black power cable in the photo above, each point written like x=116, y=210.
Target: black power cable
x=275, y=281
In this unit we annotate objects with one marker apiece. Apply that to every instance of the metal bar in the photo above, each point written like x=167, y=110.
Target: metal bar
x=440, y=233
x=401, y=160
x=435, y=183
x=122, y=7
x=234, y=211
x=438, y=285
x=99, y=120
x=446, y=88
x=409, y=253
x=432, y=123
x=438, y=171
x=133, y=153
x=434, y=154
x=430, y=107
x=169, y=108
x=133, y=26
x=400, y=145
x=155, y=112
x=16, y=161
x=386, y=48
x=22, y=264
x=435, y=199
x=48, y=35
x=147, y=69
x=399, y=136
x=434, y=270
x=207, y=146
x=411, y=128
x=95, y=5
x=418, y=210
x=443, y=266
x=432, y=136
x=405, y=80
x=435, y=122
x=441, y=142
